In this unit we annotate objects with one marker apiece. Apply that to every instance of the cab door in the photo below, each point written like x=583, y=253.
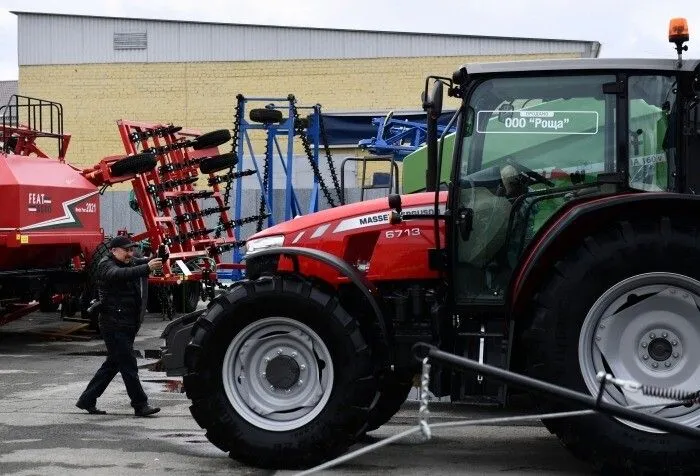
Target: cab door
x=533, y=144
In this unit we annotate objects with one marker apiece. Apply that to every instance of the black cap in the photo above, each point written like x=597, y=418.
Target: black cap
x=121, y=241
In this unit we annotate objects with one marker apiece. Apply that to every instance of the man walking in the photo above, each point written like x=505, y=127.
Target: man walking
x=123, y=288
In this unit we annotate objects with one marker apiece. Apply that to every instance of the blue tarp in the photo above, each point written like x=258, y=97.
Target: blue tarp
x=348, y=129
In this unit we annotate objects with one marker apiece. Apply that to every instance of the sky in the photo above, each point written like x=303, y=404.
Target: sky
x=625, y=28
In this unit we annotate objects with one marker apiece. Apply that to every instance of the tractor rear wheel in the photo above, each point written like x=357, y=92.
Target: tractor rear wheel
x=626, y=303
x=279, y=374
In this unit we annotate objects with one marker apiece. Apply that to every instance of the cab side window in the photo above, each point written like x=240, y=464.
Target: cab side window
x=651, y=146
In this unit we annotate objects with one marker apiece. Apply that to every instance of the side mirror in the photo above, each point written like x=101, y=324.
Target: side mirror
x=395, y=202
x=432, y=104
x=395, y=205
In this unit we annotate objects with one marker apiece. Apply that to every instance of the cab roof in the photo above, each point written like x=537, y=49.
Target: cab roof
x=669, y=65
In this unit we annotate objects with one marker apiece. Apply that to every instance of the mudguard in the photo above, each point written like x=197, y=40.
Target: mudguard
x=365, y=286
x=177, y=335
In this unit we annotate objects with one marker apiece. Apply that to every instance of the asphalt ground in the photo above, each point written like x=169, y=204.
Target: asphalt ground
x=43, y=433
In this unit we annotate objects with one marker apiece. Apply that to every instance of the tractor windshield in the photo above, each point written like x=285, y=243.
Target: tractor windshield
x=527, y=143
x=555, y=126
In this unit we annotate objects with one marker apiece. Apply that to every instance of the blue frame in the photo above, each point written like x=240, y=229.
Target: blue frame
x=396, y=137
x=292, y=207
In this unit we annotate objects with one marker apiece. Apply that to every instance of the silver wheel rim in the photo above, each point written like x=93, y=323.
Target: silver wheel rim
x=277, y=374
x=646, y=329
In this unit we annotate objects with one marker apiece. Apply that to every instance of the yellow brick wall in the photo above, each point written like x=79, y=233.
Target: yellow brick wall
x=203, y=95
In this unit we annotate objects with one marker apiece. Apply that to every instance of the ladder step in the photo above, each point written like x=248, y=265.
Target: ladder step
x=480, y=334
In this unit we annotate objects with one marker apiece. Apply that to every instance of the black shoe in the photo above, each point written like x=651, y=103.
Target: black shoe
x=146, y=411
x=92, y=409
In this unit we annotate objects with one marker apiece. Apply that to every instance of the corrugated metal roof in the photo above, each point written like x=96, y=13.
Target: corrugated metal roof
x=46, y=38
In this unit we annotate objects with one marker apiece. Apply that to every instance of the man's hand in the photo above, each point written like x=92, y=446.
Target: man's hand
x=155, y=264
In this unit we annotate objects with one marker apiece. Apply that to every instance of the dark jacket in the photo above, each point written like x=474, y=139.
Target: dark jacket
x=123, y=290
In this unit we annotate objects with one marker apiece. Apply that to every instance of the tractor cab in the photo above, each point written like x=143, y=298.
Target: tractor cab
x=535, y=138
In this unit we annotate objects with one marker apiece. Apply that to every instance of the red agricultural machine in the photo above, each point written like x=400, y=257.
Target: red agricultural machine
x=50, y=235
x=560, y=243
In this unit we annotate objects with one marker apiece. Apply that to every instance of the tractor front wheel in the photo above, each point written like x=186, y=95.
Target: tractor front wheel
x=626, y=302
x=279, y=374
x=393, y=392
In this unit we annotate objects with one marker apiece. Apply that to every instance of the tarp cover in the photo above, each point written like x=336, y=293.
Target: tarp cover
x=349, y=128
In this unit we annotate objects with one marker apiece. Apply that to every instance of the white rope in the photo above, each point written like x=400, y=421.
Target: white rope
x=361, y=451
x=426, y=429
x=450, y=424
x=423, y=412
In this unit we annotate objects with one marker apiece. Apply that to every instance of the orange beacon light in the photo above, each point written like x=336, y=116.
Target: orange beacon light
x=678, y=30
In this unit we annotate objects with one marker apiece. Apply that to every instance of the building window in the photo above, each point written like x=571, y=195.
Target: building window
x=130, y=41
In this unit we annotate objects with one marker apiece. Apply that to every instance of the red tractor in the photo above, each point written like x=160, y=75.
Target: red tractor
x=50, y=234
x=560, y=240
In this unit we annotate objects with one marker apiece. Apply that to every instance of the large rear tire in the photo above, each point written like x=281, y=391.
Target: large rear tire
x=279, y=374
x=625, y=302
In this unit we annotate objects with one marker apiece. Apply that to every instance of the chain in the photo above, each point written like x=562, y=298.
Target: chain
x=242, y=221
x=452, y=424
x=423, y=412
x=234, y=150
x=299, y=127
x=329, y=157
x=266, y=178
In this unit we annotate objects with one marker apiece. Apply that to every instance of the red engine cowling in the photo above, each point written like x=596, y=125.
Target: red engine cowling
x=50, y=215
x=362, y=235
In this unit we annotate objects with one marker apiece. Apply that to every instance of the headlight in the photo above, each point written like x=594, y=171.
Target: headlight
x=263, y=243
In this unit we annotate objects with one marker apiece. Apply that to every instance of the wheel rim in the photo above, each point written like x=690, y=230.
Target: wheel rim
x=278, y=374
x=645, y=329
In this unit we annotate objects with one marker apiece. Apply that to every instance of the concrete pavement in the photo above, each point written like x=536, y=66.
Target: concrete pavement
x=42, y=432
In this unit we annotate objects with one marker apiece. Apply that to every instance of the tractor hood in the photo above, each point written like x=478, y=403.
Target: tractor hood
x=365, y=214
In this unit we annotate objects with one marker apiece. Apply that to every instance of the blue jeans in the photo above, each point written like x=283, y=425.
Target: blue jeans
x=120, y=359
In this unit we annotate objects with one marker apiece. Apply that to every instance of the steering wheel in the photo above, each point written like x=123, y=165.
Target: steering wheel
x=535, y=177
